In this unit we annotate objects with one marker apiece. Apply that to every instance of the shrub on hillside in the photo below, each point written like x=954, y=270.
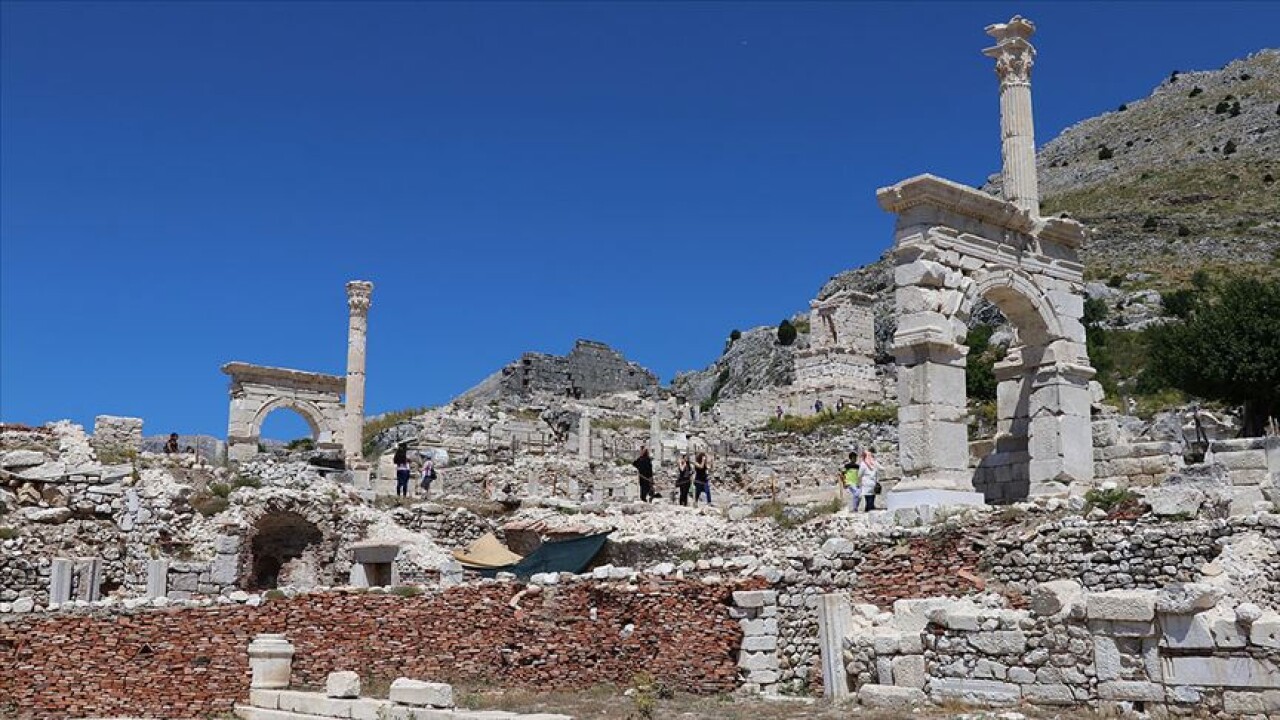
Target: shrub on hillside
x=787, y=333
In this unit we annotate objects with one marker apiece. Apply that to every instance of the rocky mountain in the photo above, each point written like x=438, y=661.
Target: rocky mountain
x=753, y=361
x=1181, y=179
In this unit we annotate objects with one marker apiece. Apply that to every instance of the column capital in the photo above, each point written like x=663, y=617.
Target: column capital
x=359, y=295
x=1013, y=53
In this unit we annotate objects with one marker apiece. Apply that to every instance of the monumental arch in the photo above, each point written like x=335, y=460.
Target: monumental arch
x=953, y=244
x=257, y=390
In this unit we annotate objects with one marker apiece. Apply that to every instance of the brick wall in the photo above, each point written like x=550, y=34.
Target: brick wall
x=194, y=662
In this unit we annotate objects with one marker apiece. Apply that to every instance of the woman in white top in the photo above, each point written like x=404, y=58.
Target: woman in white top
x=867, y=477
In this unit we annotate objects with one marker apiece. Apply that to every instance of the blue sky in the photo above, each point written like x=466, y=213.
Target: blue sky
x=185, y=184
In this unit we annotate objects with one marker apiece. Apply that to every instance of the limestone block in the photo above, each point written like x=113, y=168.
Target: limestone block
x=1000, y=642
x=267, y=699
x=884, y=671
x=1185, y=598
x=310, y=703
x=1123, y=628
x=224, y=569
x=1251, y=703
x=1107, y=661
x=921, y=272
x=912, y=615
x=963, y=619
x=755, y=598
x=1226, y=632
x=270, y=660
x=915, y=299
x=418, y=693
x=1234, y=672
x=60, y=572
x=1135, y=605
x=975, y=692
x=760, y=643
x=890, y=697
x=342, y=684
x=1187, y=632
x=759, y=626
x=157, y=578
x=1242, y=460
x=1265, y=631
x=909, y=671
x=762, y=677
x=1048, y=694
x=1131, y=690
x=1055, y=598
x=837, y=547
x=757, y=661
x=1171, y=500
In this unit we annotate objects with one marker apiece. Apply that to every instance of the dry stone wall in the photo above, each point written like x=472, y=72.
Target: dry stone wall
x=192, y=662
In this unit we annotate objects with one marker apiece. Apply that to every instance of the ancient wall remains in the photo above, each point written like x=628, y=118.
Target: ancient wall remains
x=839, y=363
x=589, y=370
x=116, y=437
x=192, y=662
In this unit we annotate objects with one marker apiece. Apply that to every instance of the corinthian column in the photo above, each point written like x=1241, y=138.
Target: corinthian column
x=1014, y=57
x=358, y=301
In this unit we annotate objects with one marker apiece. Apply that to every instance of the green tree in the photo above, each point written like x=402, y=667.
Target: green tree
x=979, y=370
x=787, y=332
x=1227, y=349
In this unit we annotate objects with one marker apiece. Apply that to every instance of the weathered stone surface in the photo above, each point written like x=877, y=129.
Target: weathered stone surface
x=755, y=598
x=1233, y=672
x=1131, y=690
x=342, y=684
x=890, y=697
x=1265, y=631
x=983, y=692
x=418, y=693
x=1184, y=598
x=1251, y=703
x=1053, y=694
x=1125, y=605
x=1000, y=642
x=909, y=671
x=1056, y=597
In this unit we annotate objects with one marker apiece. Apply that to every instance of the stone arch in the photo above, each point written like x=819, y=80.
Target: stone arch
x=257, y=390
x=286, y=531
x=309, y=412
x=277, y=539
x=954, y=244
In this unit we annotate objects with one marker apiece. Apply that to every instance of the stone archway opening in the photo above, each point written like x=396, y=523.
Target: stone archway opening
x=279, y=539
x=284, y=422
x=257, y=391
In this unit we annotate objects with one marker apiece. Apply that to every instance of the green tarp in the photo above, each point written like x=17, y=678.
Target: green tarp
x=571, y=556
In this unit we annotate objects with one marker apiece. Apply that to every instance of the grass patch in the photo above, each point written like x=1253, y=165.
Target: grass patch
x=1115, y=502
x=620, y=423
x=117, y=456
x=406, y=591
x=274, y=594
x=8, y=533
x=208, y=505
x=787, y=517
x=849, y=417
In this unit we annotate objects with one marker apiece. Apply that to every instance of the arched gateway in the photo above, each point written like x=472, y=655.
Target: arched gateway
x=257, y=390
x=952, y=244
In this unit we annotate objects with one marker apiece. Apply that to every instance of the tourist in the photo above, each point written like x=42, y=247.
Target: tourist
x=701, y=477
x=869, y=482
x=684, y=477
x=840, y=405
x=644, y=466
x=778, y=412
x=401, y=460
x=171, y=447
x=849, y=479
x=817, y=407
x=428, y=476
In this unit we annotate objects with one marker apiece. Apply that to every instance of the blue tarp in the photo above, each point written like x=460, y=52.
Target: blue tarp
x=571, y=556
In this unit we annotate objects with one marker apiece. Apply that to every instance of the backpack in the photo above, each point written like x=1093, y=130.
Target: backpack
x=851, y=477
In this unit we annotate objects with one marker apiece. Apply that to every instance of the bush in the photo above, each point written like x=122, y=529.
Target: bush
x=1235, y=109
x=405, y=591
x=1150, y=223
x=1221, y=107
x=274, y=594
x=1194, y=92
x=1122, y=108
x=980, y=378
x=1227, y=350
x=8, y=533
x=386, y=421
x=208, y=505
x=787, y=333
x=789, y=517
x=302, y=444
x=1229, y=148
x=1183, y=230
x=1109, y=500
x=849, y=417
x=1179, y=303
x=1105, y=153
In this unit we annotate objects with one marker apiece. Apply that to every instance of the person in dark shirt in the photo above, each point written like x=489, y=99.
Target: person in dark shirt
x=684, y=478
x=701, y=477
x=644, y=466
x=401, y=460
x=171, y=446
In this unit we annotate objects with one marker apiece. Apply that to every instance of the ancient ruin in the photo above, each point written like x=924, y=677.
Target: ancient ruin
x=1081, y=557
x=954, y=244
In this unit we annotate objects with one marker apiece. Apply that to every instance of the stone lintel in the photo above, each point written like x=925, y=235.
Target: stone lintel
x=242, y=372
x=947, y=195
x=840, y=298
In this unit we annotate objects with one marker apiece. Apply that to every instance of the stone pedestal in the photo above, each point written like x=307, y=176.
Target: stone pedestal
x=584, y=437
x=271, y=661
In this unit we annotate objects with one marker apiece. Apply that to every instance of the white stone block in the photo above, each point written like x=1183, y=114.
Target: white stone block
x=1251, y=703
x=909, y=671
x=757, y=661
x=418, y=693
x=999, y=642
x=1187, y=632
x=1131, y=690
x=1054, y=598
x=1234, y=672
x=1132, y=605
x=1048, y=694
x=759, y=626
x=755, y=598
x=975, y=692
x=1265, y=631
x=890, y=697
x=1185, y=598
x=760, y=643
x=342, y=684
